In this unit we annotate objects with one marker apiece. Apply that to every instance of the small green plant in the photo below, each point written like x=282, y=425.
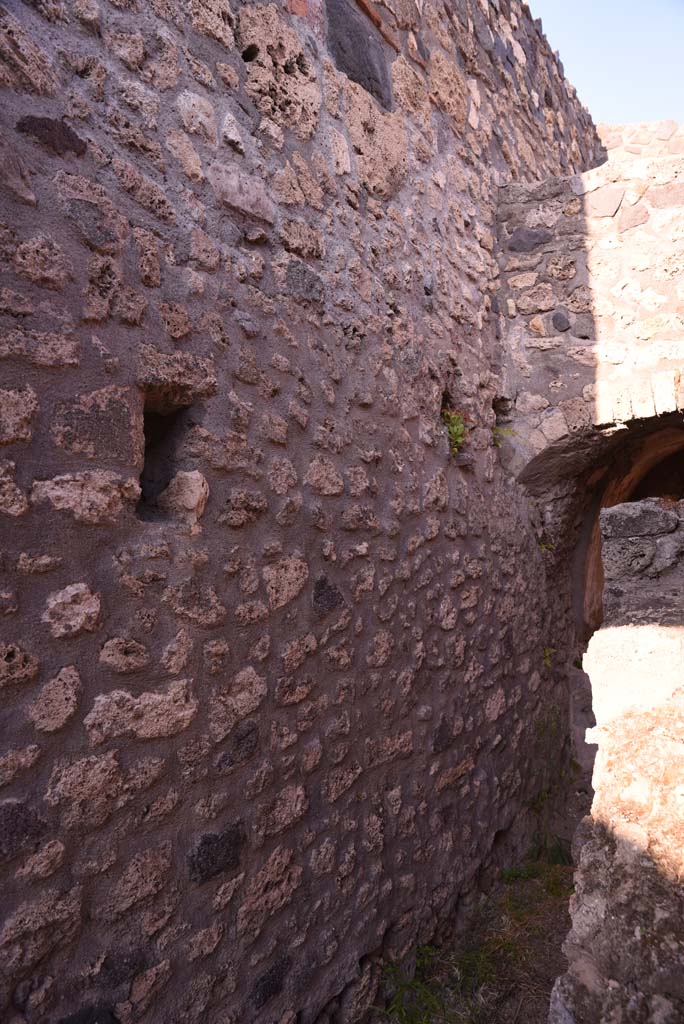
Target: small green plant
x=499, y=433
x=548, y=726
x=546, y=545
x=475, y=968
x=456, y=430
x=557, y=851
x=497, y=966
x=540, y=801
x=548, y=656
x=415, y=1000
x=557, y=886
x=524, y=872
x=521, y=905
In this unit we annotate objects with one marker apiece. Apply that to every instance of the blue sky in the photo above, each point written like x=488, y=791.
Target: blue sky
x=625, y=57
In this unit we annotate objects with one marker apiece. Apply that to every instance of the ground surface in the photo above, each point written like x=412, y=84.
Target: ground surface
x=505, y=968
x=505, y=972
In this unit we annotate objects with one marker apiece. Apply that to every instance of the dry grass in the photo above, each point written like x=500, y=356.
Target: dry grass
x=505, y=973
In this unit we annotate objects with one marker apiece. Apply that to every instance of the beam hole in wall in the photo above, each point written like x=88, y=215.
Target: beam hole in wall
x=503, y=409
x=164, y=432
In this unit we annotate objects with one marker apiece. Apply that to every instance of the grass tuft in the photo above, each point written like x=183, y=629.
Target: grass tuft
x=505, y=971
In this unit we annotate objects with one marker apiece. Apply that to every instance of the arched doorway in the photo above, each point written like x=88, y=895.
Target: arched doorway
x=644, y=460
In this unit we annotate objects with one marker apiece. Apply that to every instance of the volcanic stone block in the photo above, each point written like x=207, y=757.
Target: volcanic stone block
x=357, y=50
x=638, y=519
x=271, y=982
x=20, y=827
x=528, y=239
x=217, y=852
x=560, y=321
x=53, y=134
x=326, y=597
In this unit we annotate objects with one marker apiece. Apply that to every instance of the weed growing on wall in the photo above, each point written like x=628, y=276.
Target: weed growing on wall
x=499, y=433
x=456, y=429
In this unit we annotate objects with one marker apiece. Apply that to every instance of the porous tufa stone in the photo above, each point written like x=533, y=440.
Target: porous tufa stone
x=186, y=497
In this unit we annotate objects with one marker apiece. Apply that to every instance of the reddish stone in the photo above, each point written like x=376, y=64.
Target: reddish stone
x=298, y=7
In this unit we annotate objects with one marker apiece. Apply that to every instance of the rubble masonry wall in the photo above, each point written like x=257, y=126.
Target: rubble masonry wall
x=272, y=665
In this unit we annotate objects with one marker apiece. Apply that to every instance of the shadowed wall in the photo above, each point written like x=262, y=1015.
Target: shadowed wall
x=273, y=662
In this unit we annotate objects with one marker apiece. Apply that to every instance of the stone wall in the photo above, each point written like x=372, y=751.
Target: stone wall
x=591, y=326
x=592, y=297
x=626, y=946
x=273, y=658
x=591, y=333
